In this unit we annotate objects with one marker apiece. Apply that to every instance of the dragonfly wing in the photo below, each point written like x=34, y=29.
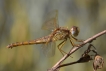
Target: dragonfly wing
x=53, y=46
x=49, y=49
x=51, y=21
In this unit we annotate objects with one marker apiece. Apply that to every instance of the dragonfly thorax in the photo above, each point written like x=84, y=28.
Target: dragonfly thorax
x=74, y=31
x=60, y=35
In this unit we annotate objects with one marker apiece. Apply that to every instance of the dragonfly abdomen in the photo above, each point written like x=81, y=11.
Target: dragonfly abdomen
x=36, y=41
x=18, y=44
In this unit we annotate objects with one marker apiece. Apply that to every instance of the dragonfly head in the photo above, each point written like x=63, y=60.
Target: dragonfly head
x=74, y=31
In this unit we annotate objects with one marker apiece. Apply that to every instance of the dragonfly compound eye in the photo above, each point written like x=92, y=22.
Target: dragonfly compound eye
x=74, y=31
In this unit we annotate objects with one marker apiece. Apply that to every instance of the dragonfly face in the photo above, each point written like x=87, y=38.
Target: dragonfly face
x=74, y=31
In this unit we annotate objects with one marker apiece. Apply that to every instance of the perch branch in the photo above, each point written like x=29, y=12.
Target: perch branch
x=89, y=40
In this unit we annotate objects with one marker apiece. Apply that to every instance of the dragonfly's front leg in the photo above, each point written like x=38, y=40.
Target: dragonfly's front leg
x=71, y=41
x=77, y=39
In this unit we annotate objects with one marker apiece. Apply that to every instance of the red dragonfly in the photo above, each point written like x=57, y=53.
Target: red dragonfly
x=58, y=33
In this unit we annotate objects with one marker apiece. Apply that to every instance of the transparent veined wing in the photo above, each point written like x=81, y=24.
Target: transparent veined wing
x=51, y=21
x=48, y=49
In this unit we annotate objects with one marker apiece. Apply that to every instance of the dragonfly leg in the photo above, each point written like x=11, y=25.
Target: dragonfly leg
x=77, y=39
x=61, y=45
x=71, y=41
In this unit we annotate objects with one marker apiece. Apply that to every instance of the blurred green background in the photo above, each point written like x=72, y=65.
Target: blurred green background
x=21, y=20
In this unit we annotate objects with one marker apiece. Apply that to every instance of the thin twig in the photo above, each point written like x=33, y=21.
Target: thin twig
x=89, y=40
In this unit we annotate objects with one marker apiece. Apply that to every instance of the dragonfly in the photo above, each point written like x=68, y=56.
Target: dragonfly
x=57, y=33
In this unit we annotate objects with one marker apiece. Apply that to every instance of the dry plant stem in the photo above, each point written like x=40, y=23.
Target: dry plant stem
x=67, y=64
x=75, y=49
